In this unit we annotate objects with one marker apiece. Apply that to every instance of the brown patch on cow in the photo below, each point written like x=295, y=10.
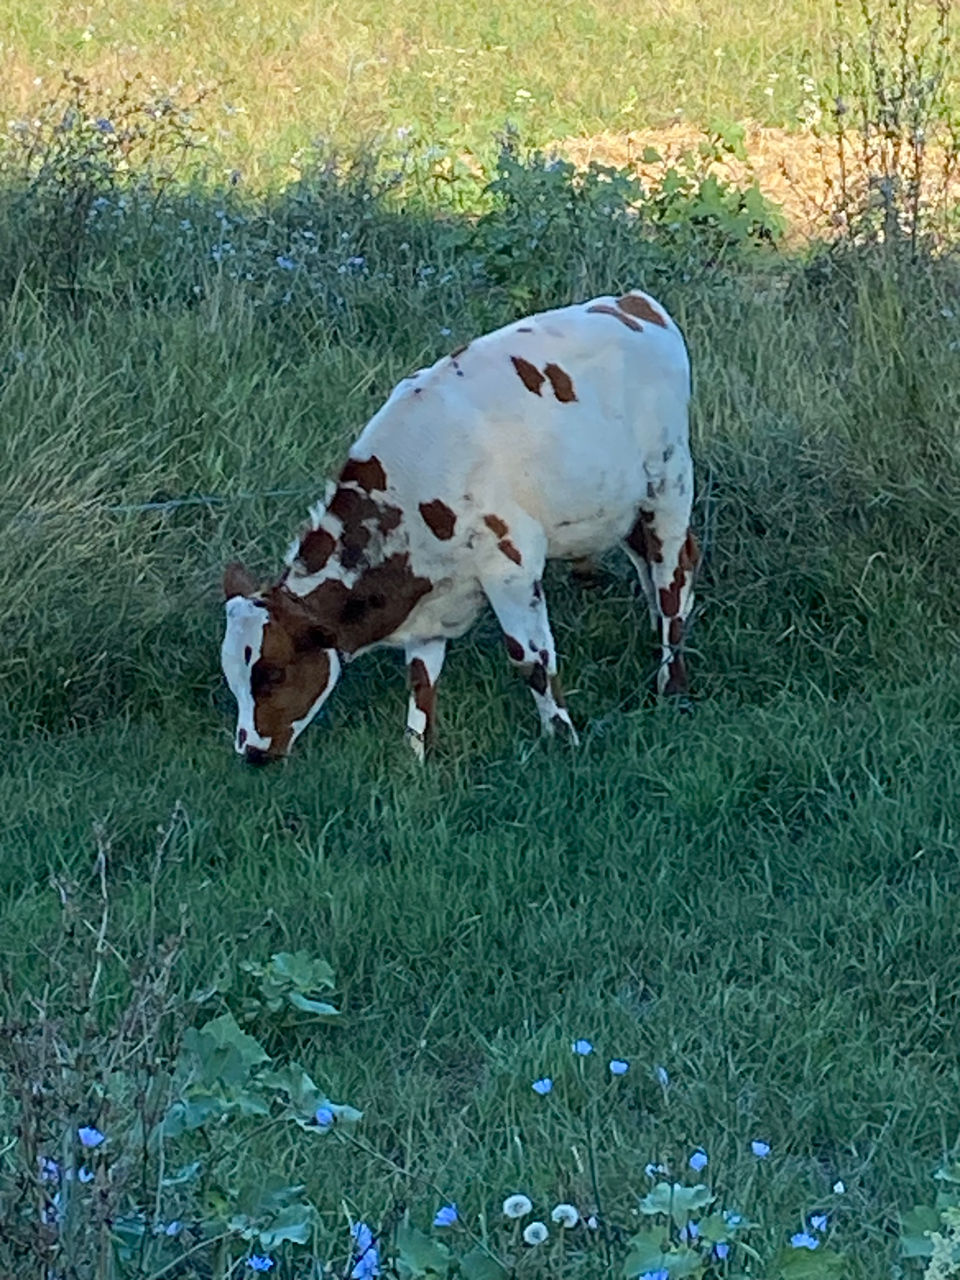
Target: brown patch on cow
x=499, y=528
x=514, y=649
x=368, y=474
x=675, y=631
x=635, y=305
x=424, y=693
x=458, y=351
x=286, y=679
x=360, y=515
x=604, y=310
x=537, y=679
x=509, y=550
x=439, y=519
x=644, y=541
x=670, y=596
x=530, y=375
x=561, y=382
x=689, y=553
x=316, y=547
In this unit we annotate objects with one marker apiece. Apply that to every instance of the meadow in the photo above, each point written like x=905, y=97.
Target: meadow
x=753, y=906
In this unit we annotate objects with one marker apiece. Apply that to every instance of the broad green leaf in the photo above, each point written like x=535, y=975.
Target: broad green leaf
x=478, y=1265
x=677, y=1200
x=418, y=1255
x=294, y=1223
x=651, y=155
x=915, y=1225
x=298, y=968
x=808, y=1264
x=645, y=1254
x=312, y=1006
x=715, y=1229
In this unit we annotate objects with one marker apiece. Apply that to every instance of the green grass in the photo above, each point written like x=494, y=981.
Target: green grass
x=452, y=71
x=761, y=898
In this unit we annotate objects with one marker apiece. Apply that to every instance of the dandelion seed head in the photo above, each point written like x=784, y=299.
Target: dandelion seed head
x=516, y=1206
x=565, y=1215
x=838, y=1188
x=535, y=1233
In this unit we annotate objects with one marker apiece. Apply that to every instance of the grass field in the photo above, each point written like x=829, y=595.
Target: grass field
x=759, y=899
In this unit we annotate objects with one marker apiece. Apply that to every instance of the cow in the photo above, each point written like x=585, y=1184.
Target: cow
x=557, y=436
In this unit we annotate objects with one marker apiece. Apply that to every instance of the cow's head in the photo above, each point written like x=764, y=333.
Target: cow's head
x=277, y=663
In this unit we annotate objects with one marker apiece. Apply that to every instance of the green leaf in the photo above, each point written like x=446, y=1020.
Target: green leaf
x=715, y=1229
x=418, y=1255
x=677, y=1201
x=478, y=1265
x=645, y=1254
x=312, y=1006
x=295, y=1223
x=301, y=971
x=949, y=1173
x=808, y=1264
x=915, y=1225
x=651, y=155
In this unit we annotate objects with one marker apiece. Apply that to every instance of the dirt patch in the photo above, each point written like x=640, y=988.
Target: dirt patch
x=799, y=171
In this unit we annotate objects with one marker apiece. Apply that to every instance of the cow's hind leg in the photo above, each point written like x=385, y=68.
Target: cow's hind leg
x=424, y=662
x=665, y=553
x=521, y=610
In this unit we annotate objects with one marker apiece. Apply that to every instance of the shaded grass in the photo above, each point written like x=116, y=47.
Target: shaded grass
x=760, y=898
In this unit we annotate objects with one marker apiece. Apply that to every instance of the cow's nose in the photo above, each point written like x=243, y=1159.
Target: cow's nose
x=254, y=755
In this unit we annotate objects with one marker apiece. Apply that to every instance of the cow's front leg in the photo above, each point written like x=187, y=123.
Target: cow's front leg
x=424, y=663
x=521, y=610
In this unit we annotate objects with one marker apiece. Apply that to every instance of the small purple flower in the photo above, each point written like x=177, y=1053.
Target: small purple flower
x=692, y=1230
x=721, y=1250
x=173, y=1228
x=368, y=1264
x=819, y=1222
x=259, y=1262
x=285, y=263
x=618, y=1067
x=582, y=1048
x=802, y=1240
x=698, y=1161
x=49, y=1169
x=760, y=1149
x=105, y=125
x=662, y=1274
x=543, y=1086
x=446, y=1216
x=85, y=1174
x=663, y=1078
x=90, y=1137
x=363, y=1236
x=357, y=262
x=324, y=1117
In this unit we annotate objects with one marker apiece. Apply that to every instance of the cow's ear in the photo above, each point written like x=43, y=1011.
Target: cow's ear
x=238, y=581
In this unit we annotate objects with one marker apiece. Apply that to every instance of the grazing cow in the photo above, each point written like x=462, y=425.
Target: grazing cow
x=556, y=436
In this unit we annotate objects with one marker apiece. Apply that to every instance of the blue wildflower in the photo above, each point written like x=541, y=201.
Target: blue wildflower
x=363, y=1235
x=368, y=1261
x=285, y=263
x=173, y=1228
x=49, y=1169
x=543, y=1086
x=324, y=1117
x=721, y=1250
x=662, y=1274
x=105, y=125
x=698, y=1160
x=85, y=1174
x=760, y=1149
x=446, y=1216
x=802, y=1240
x=90, y=1137
x=662, y=1076
x=259, y=1262
x=819, y=1222
x=618, y=1067
x=582, y=1047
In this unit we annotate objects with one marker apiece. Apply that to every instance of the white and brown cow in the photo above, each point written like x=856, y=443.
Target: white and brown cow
x=557, y=436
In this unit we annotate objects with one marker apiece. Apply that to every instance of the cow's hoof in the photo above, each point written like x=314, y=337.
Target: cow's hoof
x=417, y=744
x=560, y=726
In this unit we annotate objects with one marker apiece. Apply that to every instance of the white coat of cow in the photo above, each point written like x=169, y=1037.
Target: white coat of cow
x=557, y=436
